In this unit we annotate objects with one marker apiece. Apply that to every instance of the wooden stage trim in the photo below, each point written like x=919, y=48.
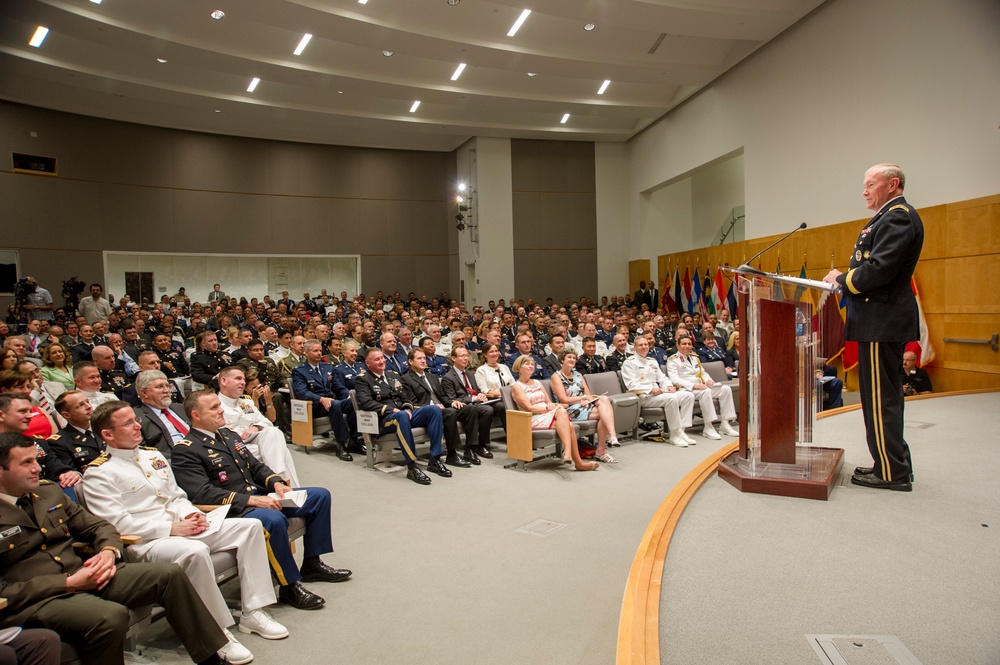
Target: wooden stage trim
x=953, y=393
x=639, y=622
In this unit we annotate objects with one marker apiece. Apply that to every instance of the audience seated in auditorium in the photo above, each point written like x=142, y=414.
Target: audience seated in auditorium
x=570, y=388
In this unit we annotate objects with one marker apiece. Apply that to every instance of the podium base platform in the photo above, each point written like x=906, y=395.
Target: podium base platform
x=811, y=477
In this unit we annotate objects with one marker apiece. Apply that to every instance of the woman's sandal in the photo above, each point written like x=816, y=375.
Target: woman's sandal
x=607, y=459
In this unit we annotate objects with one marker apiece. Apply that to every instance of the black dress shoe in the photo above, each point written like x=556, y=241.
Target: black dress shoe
x=871, y=480
x=438, y=467
x=454, y=460
x=869, y=470
x=471, y=457
x=417, y=476
x=299, y=597
x=314, y=570
x=483, y=452
x=357, y=446
x=342, y=453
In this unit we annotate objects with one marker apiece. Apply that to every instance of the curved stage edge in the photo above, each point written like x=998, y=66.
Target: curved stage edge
x=638, y=623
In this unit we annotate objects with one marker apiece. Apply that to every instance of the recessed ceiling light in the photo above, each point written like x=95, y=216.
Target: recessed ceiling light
x=454, y=2
x=162, y=61
x=589, y=26
x=218, y=14
x=218, y=110
x=519, y=22
x=604, y=86
x=39, y=36
x=532, y=73
x=387, y=54
x=362, y=2
x=96, y=2
x=340, y=92
x=302, y=44
x=458, y=72
x=564, y=119
x=253, y=84
x=416, y=105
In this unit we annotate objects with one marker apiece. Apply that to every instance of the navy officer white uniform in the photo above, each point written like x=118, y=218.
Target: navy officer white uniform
x=685, y=372
x=214, y=467
x=132, y=487
x=642, y=375
x=262, y=438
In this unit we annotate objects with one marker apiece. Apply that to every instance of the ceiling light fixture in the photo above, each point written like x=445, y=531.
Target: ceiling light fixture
x=458, y=72
x=162, y=61
x=302, y=44
x=589, y=26
x=604, y=86
x=416, y=105
x=564, y=119
x=97, y=2
x=387, y=54
x=454, y=2
x=253, y=84
x=39, y=36
x=362, y=2
x=520, y=21
x=532, y=74
x=218, y=14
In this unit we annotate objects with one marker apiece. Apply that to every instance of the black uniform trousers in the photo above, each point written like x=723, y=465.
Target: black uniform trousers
x=97, y=621
x=34, y=646
x=882, y=404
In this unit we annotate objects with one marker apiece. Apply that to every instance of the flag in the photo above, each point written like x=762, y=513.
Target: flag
x=687, y=292
x=831, y=335
x=698, y=298
x=666, y=301
x=800, y=289
x=732, y=302
x=719, y=292
x=850, y=355
x=922, y=347
x=777, y=292
x=678, y=290
x=707, y=290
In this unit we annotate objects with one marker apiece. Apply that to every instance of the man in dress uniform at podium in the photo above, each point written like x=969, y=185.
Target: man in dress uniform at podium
x=882, y=317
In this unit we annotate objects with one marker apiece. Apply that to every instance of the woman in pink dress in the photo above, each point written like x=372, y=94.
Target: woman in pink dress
x=530, y=396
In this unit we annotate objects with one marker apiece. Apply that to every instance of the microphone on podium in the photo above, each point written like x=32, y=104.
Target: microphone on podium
x=746, y=267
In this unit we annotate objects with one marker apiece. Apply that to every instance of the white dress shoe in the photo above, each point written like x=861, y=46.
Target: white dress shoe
x=728, y=429
x=233, y=652
x=677, y=439
x=260, y=622
x=710, y=433
x=690, y=441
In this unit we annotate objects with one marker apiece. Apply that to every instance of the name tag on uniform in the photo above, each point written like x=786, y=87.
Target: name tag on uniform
x=79, y=452
x=13, y=531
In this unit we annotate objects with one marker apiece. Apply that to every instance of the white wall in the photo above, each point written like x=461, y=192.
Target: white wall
x=495, y=209
x=715, y=191
x=613, y=215
x=250, y=276
x=853, y=84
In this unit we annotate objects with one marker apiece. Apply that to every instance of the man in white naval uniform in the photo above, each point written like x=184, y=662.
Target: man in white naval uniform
x=133, y=488
x=685, y=372
x=262, y=438
x=643, y=376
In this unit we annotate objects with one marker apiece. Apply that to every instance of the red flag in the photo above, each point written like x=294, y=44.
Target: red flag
x=666, y=300
x=922, y=347
x=687, y=292
x=832, y=334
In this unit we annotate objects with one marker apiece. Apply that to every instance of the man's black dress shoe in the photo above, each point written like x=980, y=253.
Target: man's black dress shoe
x=471, y=457
x=357, y=446
x=417, y=476
x=869, y=470
x=438, y=467
x=871, y=480
x=454, y=460
x=314, y=570
x=342, y=453
x=299, y=597
x=483, y=452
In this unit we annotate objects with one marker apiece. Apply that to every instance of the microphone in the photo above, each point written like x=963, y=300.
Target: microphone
x=746, y=267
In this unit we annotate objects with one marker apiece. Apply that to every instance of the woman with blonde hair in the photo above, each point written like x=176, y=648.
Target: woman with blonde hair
x=529, y=395
x=57, y=365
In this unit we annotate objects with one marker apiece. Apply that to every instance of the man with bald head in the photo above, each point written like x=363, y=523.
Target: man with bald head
x=112, y=380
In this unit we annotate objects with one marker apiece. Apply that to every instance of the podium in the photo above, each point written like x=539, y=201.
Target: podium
x=780, y=393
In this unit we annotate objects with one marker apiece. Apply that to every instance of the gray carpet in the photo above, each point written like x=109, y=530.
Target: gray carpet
x=748, y=576
x=441, y=576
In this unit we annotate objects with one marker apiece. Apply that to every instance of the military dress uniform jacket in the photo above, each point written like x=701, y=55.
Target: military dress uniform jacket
x=381, y=395
x=52, y=465
x=267, y=371
x=397, y=362
x=76, y=449
x=113, y=381
x=289, y=363
x=880, y=302
x=590, y=365
x=640, y=375
x=348, y=373
x=685, y=372
x=176, y=360
x=314, y=383
x=615, y=360
x=218, y=472
x=36, y=556
x=206, y=364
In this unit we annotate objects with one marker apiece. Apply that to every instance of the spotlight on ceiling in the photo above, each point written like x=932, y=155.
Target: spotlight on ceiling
x=454, y=2
x=589, y=26
x=218, y=14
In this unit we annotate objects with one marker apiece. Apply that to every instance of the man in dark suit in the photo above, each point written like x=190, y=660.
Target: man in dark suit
x=422, y=388
x=216, y=294
x=82, y=351
x=76, y=445
x=46, y=583
x=317, y=382
x=882, y=317
x=460, y=386
x=213, y=466
x=644, y=295
x=556, y=345
x=381, y=391
x=163, y=422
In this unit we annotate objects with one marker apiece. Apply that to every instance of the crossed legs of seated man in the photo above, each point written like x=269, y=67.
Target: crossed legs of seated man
x=705, y=398
x=401, y=423
x=678, y=410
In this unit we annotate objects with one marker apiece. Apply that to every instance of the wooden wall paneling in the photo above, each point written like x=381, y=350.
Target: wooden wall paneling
x=638, y=271
x=971, y=283
x=973, y=228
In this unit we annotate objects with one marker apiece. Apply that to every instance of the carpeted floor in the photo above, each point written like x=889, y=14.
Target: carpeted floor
x=748, y=576
x=441, y=576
